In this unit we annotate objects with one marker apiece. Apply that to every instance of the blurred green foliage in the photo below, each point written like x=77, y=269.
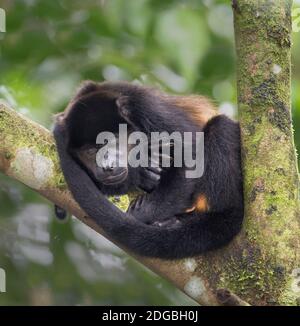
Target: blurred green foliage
x=182, y=46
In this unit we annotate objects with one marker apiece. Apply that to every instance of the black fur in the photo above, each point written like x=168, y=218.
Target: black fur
x=100, y=107
x=60, y=213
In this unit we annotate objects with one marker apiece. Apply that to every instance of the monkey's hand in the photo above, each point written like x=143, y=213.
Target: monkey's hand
x=144, y=209
x=141, y=209
x=149, y=178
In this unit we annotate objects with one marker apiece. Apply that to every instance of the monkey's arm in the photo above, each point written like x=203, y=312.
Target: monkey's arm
x=151, y=113
x=83, y=189
x=147, y=112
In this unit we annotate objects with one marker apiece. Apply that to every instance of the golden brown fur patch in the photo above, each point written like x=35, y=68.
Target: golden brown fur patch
x=201, y=205
x=199, y=108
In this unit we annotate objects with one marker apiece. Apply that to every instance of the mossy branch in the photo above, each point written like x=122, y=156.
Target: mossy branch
x=28, y=154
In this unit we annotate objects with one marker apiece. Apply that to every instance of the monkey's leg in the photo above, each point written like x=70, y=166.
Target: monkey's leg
x=172, y=197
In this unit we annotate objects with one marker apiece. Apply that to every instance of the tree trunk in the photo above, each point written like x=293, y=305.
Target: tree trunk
x=271, y=181
x=259, y=265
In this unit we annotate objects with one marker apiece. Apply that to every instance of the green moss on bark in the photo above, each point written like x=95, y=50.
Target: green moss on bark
x=271, y=182
x=16, y=135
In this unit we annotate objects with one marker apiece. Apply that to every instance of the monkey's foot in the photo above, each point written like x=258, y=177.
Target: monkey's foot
x=142, y=209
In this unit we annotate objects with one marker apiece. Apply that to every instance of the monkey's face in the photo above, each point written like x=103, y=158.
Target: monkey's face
x=104, y=164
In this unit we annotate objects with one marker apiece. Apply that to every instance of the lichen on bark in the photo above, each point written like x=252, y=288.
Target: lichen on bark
x=271, y=182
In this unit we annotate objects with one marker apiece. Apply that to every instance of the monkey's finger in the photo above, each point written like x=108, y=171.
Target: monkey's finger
x=149, y=175
x=165, y=157
x=156, y=170
x=139, y=201
x=158, y=157
x=153, y=174
x=161, y=145
x=122, y=103
x=150, y=179
x=148, y=187
x=133, y=204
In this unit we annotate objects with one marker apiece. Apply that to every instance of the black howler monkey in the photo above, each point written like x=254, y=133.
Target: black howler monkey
x=178, y=217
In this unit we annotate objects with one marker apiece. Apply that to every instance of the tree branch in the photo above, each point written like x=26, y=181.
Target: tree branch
x=28, y=154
